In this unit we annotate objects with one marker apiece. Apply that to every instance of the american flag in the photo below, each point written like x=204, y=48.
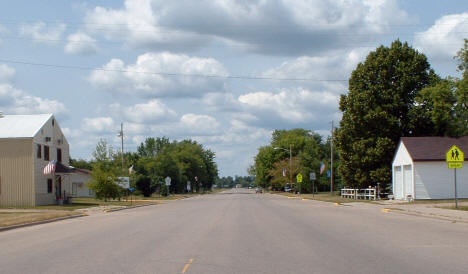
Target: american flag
x=322, y=167
x=50, y=167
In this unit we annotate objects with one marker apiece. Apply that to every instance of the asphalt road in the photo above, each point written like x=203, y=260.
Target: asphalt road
x=239, y=232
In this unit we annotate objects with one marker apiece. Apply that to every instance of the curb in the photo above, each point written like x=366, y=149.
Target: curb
x=6, y=228
x=124, y=208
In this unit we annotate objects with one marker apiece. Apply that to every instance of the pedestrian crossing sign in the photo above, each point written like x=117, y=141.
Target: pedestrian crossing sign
x=455, y=157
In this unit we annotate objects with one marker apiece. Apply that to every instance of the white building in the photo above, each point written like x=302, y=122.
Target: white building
x=79, y=179
x=27, y=144
x=420, y=172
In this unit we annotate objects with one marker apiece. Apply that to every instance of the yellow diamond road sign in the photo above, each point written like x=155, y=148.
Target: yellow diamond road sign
x=455, y=157
x=299, y=178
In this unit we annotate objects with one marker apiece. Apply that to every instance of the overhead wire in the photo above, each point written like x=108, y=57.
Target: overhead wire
x=170, y=73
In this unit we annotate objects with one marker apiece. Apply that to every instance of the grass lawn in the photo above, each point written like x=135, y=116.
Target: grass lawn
x=325, y=197
x=439, y=201
x=464, y=208
x=16, y=218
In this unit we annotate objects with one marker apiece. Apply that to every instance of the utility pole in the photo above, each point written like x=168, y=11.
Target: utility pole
x=121, y=135
x=290, y=166
x=331, y=159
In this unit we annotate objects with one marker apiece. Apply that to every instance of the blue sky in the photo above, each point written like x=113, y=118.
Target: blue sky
x=150, y=64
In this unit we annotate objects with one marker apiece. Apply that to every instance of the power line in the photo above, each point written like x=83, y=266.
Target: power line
x=171, y=73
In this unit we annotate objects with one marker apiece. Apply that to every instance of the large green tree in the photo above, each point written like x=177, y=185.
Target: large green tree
x=376, y=112
x=307, y=150
x=104, y=173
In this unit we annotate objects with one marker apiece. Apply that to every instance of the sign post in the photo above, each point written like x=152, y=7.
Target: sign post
x=168, y=183
x=299, y=181
x=312, y=178
x=454, y=158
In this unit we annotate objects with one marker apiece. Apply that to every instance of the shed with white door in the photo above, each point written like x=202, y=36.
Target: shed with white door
x=420, y=172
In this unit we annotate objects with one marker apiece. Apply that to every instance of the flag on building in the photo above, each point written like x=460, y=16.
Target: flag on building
x=50, y=167
x=130, y=170
x=322, y=167
x=284, y=172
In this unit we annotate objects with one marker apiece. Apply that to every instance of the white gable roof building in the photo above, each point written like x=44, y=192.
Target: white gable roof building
x=420, y=172
x=27, y=144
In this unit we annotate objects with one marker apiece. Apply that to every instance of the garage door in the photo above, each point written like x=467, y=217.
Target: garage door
x=397, y=182
x=408, y=181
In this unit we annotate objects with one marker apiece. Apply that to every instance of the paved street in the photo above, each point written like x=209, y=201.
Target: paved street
x=239, y=232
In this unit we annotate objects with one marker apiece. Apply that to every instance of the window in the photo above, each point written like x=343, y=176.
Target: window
x=49, y=185
x=39, y=151
x=46, y=153
x=59, y=154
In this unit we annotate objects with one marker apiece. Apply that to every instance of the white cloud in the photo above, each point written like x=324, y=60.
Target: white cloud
x=442, y=40
x=289, y=107
x=336, y=66
x=199, y=125
x=137, y=24
x=268, y=27
x=15, y=101
x=41, y=32
x=161, y=75
x=151, y=112
x=99, y=125
x=81, y=43
x=6, y=73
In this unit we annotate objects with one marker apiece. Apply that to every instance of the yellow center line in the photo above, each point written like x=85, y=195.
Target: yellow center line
x=385, y=210
x=187, y=265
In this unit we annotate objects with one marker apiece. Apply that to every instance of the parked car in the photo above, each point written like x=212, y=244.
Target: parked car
x=258, y=190
x=287, y=189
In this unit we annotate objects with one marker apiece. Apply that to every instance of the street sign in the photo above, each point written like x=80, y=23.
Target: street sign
x=299, y=178
x=312, y=176
x=123, y=182
x=455, y=157
x=168, y=181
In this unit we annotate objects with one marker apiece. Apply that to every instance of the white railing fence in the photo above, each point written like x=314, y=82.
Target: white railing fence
x=355, y=193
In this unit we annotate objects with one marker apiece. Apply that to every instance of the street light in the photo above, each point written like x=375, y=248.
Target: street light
x=290, y=162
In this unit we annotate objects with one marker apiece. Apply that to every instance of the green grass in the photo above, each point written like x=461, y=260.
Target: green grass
x=79, y=203
x=463, y=208
x=325, y=197
x=16, y=218
x=439, y=201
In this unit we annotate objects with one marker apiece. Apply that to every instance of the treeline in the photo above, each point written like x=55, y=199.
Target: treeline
x=229, y=181
x=185, y=162
x=275, y=169
x=392, y=94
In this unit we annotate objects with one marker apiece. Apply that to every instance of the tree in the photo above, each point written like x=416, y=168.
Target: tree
x=104, y=173
x=461, y=93
x=376, y=112
x=80, y=163
x=308, y=150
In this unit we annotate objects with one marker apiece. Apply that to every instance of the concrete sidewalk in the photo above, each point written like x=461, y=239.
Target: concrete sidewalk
x=431, y=210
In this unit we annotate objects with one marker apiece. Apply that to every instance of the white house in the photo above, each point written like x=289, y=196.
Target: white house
x=27, y=144
x=420, y=172
x=79, y=180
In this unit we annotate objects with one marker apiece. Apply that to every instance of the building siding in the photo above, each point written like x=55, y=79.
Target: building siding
x=57, y=140
x=16, y=172
x=433, y=180
x=80, y=181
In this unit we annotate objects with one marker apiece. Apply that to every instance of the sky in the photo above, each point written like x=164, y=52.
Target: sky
x=224, y=73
